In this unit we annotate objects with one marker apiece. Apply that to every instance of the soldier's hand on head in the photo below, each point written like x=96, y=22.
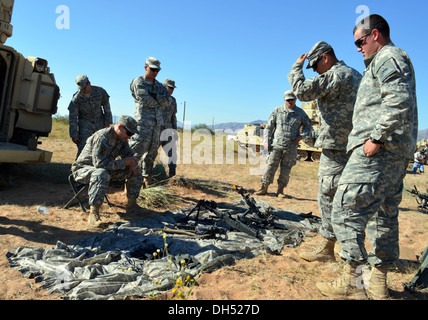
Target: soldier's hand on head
x=302, y=58
x=75, y=139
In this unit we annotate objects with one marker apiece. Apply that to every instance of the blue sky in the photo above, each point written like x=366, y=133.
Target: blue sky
x=229, y=58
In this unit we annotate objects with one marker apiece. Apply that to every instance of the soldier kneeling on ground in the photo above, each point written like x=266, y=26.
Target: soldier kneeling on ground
x=99, y=163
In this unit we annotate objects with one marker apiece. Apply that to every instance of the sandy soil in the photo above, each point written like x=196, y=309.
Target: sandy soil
x=267, y=277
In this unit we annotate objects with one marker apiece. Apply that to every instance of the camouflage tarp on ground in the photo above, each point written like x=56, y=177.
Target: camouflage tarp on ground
x=119, y=262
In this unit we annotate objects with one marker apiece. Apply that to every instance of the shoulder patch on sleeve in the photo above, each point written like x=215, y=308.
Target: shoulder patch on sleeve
x=102, y=149
x=387, y=70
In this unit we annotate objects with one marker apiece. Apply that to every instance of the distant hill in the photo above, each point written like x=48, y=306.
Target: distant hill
x=231, y=127
x=234, y=127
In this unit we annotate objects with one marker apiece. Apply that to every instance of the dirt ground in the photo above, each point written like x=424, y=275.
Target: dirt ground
x=267, y=277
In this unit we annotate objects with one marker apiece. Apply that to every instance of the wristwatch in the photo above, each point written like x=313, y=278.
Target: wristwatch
x=376, y=141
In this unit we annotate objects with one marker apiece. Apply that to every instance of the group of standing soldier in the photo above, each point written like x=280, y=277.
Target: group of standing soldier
x=113, y=153
x=368, y=130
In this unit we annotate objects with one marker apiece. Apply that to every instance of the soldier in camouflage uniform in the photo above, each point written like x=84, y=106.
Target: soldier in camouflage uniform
x=385, y=126
x=283, y=137
x=169, y=132
x=89, y=111
x=335, y=90
x=150, y=97
x=99, y=163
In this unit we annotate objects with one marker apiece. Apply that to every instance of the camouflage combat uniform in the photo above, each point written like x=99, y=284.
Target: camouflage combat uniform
x=150, y=118
x=97, y=165
x=88, y=113
x=167, y=137
x=282, y=128
x=335, y=91
x=370, y=188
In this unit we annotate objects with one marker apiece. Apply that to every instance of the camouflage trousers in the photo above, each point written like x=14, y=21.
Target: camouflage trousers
x=366, y=202
x=146, y=144
x=167, y=141
x=99, y=178
x=331, y=165
x=285, y=158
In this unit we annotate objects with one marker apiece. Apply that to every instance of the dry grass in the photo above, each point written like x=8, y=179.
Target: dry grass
x=268, y=276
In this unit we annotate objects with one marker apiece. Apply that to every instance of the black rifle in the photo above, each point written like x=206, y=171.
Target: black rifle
x=251, y=206
x=421, y=198
x=226, y=217
x=254, y=216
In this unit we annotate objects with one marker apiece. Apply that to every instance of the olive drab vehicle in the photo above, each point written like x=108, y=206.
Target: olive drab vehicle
x=306, y=150
x=28, y=99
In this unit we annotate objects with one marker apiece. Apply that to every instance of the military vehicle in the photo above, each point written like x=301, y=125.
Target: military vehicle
x=28, y=99
x=306, y=150
x=251, y=136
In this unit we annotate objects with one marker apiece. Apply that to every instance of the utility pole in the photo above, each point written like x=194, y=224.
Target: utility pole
x=184, y=113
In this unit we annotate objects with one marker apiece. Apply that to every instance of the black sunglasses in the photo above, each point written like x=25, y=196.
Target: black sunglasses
x=359, y=42
x=154, y=70
x=128, y=133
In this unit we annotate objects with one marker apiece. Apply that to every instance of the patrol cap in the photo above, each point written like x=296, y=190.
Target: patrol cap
x=129, y=123
x=82, y=81
x=289, y=95
x=153, y=63
x=169, y=83
x=315, y=53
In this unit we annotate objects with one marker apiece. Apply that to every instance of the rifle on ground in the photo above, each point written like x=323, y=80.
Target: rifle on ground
x=261, y=217
x=421, y=198
x=226, y=217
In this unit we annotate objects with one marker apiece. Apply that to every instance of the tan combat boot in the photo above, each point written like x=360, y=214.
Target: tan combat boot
x=349, y=285
x=132, y=206
x=94, y=220
x=377, y=288
x=263, y=190
x=148, y=181
x=324, y=252
x=280, y=193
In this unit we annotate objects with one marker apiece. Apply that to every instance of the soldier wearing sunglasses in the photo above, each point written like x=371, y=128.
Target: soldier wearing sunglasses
x=381, y=143
x=98, y=163
x=150, y=97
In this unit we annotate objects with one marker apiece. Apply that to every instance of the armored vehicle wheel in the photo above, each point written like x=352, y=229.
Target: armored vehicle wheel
x=302, y=154
x=316, y=156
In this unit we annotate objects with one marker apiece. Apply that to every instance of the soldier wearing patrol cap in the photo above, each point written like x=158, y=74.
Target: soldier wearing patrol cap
x=89, y=111
x=150, y=98
x=282, y=140
x=169, y=134
x=335, y=89
x=98, y=163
